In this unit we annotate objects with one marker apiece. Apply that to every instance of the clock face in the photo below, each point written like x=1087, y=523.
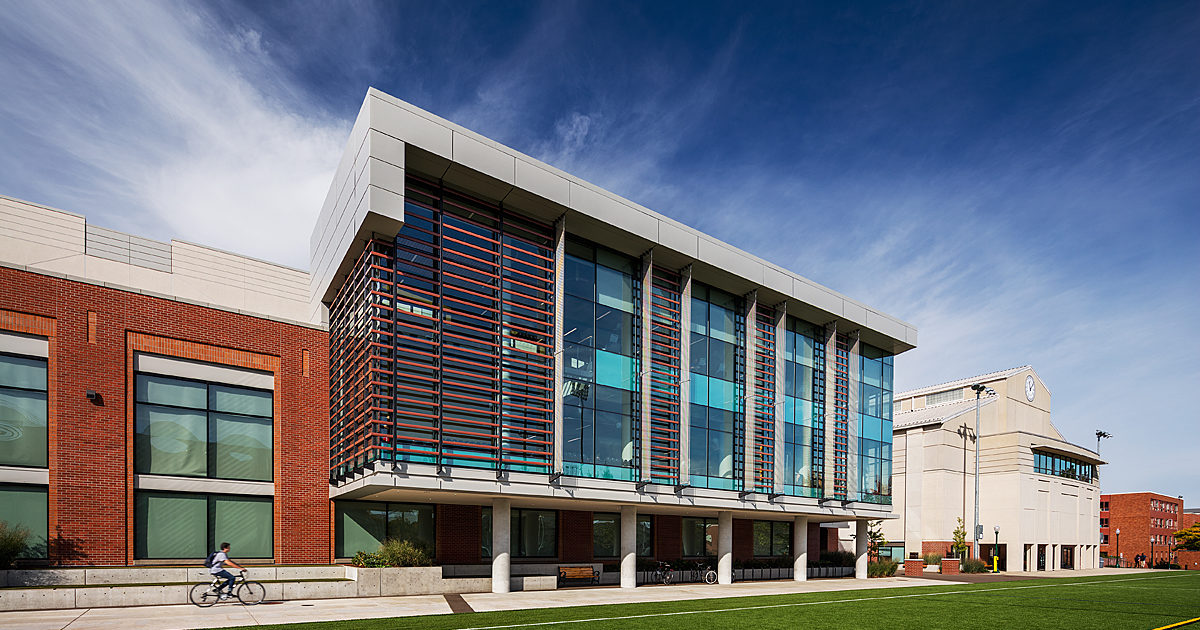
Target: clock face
x=1030, y=388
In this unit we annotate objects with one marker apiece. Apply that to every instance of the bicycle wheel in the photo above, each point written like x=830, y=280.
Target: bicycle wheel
x=202, y=595
x=710, y=577
x=667, y=575
x=251, y=593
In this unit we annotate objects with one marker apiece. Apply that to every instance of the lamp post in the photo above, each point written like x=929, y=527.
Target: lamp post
x=996, y=552
x=1101, y=434
x=1150, y=564
x=976, y=533
x=1117, y=547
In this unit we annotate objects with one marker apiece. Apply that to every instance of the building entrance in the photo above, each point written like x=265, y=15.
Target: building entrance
x=1041, y=564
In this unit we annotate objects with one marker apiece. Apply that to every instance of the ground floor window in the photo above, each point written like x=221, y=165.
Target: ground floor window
x=772, y=538
x=365, y=525
x=606, y=535
x=892, y=552
x=645, y=536
x=532, y=533
x=183, y=525
x=26, y=506
x=699, y=537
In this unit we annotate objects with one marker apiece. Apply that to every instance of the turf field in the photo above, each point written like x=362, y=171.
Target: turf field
x=1126, y=601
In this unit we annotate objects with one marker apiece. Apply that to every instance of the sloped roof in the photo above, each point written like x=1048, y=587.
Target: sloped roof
x=963, y=382
x=937, y=414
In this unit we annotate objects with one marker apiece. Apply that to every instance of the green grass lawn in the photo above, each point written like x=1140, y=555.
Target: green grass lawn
x=1125, y=601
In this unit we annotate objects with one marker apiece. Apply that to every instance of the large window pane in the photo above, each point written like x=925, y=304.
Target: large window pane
x=645, y=536
x=360, y=526
x=170, y=526
x=171, y=391
x=720, y=323
x=721, y=359
x=781, y=539
x=615, y=370
x=23, y=428
x=534, y=533
x=171, y=441
x=692, y=537
x=578, y=321
x=22, y=372
x=26, y=506
x=614, y=289
x=245, y=523
x=614, y=330
x=579, y=362
x=614, y=444
x=605, y=535
x=762, y=538
x=241, y=447
x=414, y=523
x=720, y=454
x=579, y=278
x=250, y=402
x=485, y=532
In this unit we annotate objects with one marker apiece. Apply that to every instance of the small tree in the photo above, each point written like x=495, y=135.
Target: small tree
x=875, y=539
x=1188, y=539
x=960, y=540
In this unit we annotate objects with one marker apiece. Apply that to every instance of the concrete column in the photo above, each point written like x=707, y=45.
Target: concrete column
x=800, y=548
x=1052, y=557
x=501, y=540
x=860, y=549
x=628, y=546
x=725, y=547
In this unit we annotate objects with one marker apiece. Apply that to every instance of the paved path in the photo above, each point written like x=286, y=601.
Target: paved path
x=225, y=615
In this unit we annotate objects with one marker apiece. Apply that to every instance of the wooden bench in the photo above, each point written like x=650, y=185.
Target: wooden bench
x=578, y=573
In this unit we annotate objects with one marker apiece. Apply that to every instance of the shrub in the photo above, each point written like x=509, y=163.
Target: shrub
x=1163, y=564
x=973, y=565
x=933, y=558
x=13, y=542
x=882, y=568
x=835, y=559
x=397, y=552
x=368, y=560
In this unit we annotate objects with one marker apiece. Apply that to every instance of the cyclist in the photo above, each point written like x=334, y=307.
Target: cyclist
x=217, y=567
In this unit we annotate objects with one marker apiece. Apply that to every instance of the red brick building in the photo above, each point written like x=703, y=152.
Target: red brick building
x=1147, y=522
x=1189, y=560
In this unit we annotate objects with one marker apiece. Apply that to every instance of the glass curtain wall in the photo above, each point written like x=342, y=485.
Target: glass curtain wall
x=717, y=388
x=803, y=409
x=601, y=320
x=875, y=425
x=176, y=525
x=23, y=411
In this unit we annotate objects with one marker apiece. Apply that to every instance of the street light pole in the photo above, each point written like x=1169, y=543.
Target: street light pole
x=976, y=534
x=996, y=552
x=1117, y=546
x=1101, y=434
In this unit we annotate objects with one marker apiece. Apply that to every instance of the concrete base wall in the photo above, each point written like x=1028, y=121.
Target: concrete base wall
x=90, y=588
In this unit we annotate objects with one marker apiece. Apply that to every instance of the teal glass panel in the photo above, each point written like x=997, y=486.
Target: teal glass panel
x=22, y=372
x=722, y=394
x=699, y=322
x=26, y=506
x=614, y=289
x=721, y=323
x=245, y=523
x=789, y=409
x=872, y=372
x=615, y=370
x=23, y=432
x=250, y=402
x=241, y=447
x=170, y=441
x=171, y=391
x=359, y=526
x=170, y=526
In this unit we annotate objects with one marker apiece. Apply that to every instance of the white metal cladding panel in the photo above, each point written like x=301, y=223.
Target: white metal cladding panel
x=32, y=235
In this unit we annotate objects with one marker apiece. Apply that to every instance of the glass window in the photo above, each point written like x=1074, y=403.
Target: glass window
x=615, y=370
x=645, y=536
x=579, y=278
x=534, y=533
x=171, y=525
x=578, y=321
x=772, y=538
x=23, y=411
x=614, y=289
x=26, y=506
x=699, y=537
x=197, y=429
x=606, y=535
x=614, y=331
x=365, y=525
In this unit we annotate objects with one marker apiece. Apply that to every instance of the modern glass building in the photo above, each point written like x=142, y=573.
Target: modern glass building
x=517, y=342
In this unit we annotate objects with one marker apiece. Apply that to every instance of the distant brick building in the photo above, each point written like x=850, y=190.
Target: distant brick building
x=1145, y=520
x=1189, y=560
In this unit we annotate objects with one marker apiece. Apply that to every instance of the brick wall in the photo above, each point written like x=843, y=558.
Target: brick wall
x=1189, y=560
x=743, y=539
x=575, y=536
x=1132, y=514
x=667, y=543
x=90, y=511
x=459, y=534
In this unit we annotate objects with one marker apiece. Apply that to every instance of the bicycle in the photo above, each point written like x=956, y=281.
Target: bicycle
x=706, y=573
x=249, y=593
x=663, y=573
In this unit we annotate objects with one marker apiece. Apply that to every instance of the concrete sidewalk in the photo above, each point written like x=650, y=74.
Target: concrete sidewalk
x=226, y=615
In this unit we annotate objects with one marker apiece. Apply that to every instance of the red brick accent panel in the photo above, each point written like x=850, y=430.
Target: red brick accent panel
x=668, y=530
x=814, y=542
x=950, y=566
x=914, y=568
x=459, y=534
x=575, y=536
x=90, y=513
x=944, y=547
x=743, y=539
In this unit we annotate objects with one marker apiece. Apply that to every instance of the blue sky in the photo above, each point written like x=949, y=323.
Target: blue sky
x=1021, y=181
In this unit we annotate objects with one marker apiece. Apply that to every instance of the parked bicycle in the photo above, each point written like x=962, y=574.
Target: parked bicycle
x=206, y=594
x=663, y=573
x=705, y=573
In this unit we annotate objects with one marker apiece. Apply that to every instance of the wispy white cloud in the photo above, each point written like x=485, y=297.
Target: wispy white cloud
x=148, y=118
